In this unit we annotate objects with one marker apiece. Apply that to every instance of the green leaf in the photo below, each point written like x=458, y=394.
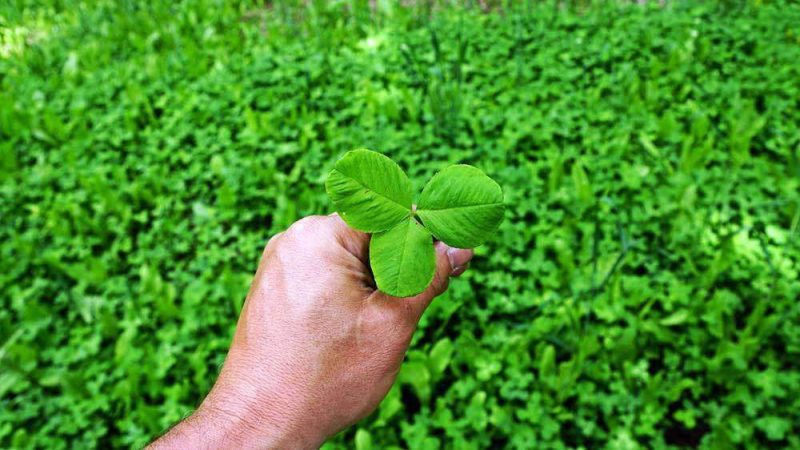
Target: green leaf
x=416, y=374
x=391, y=405
x=583, y=187
x=774, y=427
x=461, y=206
x=676, y=318
x=403, y=260
x=363, y=440
x=439, y=357
x=547, y=362
x=370, y=191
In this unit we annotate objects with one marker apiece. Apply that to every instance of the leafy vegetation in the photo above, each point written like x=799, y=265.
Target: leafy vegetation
x=460, y=205
x=641, y=292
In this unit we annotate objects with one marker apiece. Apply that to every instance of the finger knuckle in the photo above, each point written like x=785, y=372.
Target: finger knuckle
x=274, y=239
x=307, y=224
x=272, y=243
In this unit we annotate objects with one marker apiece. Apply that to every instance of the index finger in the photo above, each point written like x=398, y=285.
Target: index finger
x=354, y=241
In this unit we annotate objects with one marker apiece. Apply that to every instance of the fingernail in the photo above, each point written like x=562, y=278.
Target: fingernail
x=459, y=258
x=457, y=271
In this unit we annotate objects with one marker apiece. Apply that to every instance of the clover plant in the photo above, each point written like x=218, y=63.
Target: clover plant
x=460, y=206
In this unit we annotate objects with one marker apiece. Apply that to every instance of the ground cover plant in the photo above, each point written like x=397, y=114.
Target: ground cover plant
x=460, y=206
x=641, y=291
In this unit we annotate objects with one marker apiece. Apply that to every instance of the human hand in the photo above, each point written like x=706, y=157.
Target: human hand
x=317, y=347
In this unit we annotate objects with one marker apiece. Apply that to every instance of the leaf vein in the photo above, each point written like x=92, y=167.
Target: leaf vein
x=369, y=188
x=402, y=255
x=462, y=207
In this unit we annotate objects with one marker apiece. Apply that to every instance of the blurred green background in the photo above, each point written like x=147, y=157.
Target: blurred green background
x=642, y=291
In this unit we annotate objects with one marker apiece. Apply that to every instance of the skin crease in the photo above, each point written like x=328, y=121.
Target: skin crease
x=316, y=348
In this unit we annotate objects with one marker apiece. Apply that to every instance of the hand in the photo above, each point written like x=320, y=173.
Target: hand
x=317, y=347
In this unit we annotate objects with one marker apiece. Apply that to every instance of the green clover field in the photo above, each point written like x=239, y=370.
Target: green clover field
x=642, y=290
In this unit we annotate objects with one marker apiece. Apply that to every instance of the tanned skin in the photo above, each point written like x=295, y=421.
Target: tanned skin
x=316, y=348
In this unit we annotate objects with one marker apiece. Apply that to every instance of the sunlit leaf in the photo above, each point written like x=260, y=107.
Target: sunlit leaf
x=461, y=206
x=370, y=191
x=403, y=260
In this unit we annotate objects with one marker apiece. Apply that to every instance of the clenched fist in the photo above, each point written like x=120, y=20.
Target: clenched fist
x=317, y=347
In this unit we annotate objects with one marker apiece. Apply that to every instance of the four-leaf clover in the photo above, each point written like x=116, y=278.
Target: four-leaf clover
x=460, y=206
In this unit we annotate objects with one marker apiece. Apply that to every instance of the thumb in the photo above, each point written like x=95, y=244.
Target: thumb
x=450, y=262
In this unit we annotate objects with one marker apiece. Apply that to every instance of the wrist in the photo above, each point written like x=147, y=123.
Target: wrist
x=218, y=425
x=252, y=419
x=244, y=428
